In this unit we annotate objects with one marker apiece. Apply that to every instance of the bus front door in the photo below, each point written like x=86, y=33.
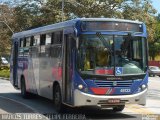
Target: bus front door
x=68, y=69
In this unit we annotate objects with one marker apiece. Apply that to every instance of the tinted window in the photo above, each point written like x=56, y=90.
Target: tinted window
x=43, y=39
x=57, y=37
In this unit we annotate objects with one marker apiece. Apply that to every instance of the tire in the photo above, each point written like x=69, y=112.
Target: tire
x=57, y=99
x=118, y=108
x=24, y=93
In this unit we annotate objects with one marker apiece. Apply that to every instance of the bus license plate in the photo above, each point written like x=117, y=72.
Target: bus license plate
x=113, y=101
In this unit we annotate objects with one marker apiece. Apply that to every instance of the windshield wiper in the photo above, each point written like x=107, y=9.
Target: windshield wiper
x=100, y=36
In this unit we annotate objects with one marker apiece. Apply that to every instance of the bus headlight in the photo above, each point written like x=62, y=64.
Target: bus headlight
x=143, y=86
x=80, y=86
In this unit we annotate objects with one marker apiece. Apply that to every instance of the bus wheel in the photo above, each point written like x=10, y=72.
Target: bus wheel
x=57, y=99
x=24, y=93
x=118, y=108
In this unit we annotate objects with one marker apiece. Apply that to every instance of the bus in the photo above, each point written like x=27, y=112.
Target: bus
x=98, y=62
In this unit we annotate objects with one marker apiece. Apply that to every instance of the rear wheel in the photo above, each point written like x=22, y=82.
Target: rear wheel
x=118, y=108
x=57, y=99
x=24, y=93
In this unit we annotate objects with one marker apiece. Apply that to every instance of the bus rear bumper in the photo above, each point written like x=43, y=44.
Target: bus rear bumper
x=84, y=99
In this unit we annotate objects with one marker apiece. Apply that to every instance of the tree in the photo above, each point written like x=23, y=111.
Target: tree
x=155, y=45
x=5, y=32
x=93, y=8
x=141, y=10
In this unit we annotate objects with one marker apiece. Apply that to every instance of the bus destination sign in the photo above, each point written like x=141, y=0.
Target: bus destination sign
x=110, y=26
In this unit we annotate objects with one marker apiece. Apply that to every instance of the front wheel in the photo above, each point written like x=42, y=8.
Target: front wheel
x=57, y=99
x=118, y=108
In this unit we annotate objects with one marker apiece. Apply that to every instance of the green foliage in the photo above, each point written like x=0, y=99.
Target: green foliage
x=5, y=73
x=154, y=46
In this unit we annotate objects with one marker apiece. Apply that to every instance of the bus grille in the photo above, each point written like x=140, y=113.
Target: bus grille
x=104, y=83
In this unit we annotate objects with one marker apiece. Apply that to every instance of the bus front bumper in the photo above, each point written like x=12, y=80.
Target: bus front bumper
x=84, y=99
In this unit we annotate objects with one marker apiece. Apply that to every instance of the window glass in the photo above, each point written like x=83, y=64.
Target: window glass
x=32, y=41
x=36, y=40
x=24, y=42
x=43, y=39
x=48, y=39
x=112, y=55
x=56, y=51
x=27, y=41
x=137, y=49
x=21, y=43
x=57, y=37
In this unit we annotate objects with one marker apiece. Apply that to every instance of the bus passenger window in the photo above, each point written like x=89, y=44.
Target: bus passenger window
x=32, y=41
x=48, y=39
x=21, y=48
x=21, y=43
x=24, y=42
x=36, y=40
x=28, y=42
x=43, y=39
x=52, y=38
x=57, y=37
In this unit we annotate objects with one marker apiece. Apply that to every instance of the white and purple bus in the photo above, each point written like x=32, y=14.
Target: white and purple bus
x=83, y=62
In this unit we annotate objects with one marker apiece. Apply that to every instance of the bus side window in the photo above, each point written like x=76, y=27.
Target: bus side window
x=21, y=42
x=52, y=38
x=48, y=44
x=57, y=37
x=56, y=42
x=26, y=46
x=32, y=42
x=36, y=44
x=36, y=40
x=42, y=44
x=48, y=39
x=43, y=39
x=21, y=47
x=24, y=42
x=27, y=41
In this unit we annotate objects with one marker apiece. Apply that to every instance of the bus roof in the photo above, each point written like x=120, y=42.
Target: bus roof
x=52, y=27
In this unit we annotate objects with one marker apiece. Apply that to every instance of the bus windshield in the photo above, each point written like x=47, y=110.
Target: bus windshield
x=112, y=55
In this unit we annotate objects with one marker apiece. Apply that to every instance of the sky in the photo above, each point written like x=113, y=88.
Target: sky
x=156, y=4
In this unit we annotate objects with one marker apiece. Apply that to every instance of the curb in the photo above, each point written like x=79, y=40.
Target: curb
x=3, y=78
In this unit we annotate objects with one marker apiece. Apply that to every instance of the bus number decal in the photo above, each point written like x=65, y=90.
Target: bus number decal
x=125, y=90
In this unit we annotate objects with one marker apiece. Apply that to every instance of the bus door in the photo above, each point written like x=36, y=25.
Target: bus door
x=15, y=63
x=68, y=69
